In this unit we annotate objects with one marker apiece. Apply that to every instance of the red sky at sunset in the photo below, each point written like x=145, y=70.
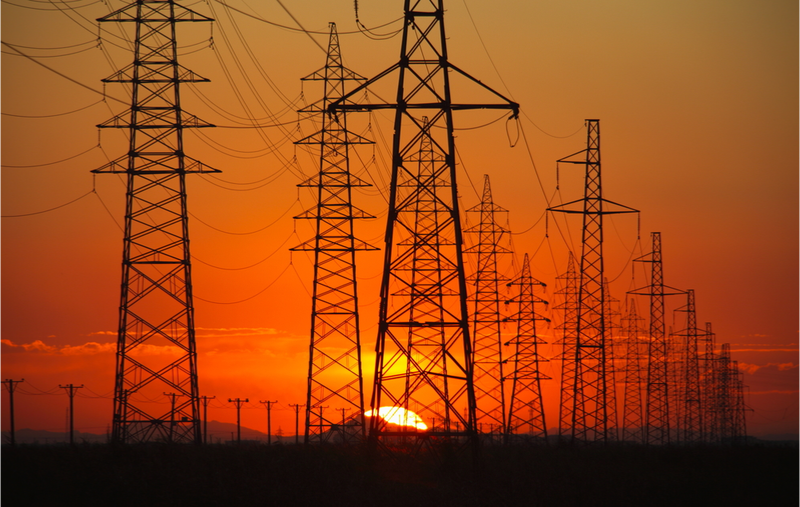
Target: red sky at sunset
x=698, y=103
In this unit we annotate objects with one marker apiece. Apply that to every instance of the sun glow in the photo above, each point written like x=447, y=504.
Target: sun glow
x=399, y=416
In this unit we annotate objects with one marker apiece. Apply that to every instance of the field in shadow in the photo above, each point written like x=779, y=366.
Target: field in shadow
x=178, y=475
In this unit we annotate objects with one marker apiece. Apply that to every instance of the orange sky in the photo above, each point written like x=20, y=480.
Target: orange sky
x=698, y=106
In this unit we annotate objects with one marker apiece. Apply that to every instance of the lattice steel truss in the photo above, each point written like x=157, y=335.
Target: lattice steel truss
x=657, y=414
x=730, y=408
x=334, y=370
x=612, y=327
x=590, y=414
x=525, y=408
x=692, y=413
x=424, y=354
x=568, y=341
x=156, y=306
x=708, y=382
x=487, y=348
x=632, y=416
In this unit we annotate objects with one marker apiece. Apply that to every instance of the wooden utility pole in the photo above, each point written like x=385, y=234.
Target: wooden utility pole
x=269, y=420
x=238, y=402
x=172, y=397
x=71, y=390
x=297, y=408
x=11, y=386
x=344, y=435
x=206, y=400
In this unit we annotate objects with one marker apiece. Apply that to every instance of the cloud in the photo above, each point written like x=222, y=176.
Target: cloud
x=752, y=368
x=35, y=346
x=88, y=348
x=105, y=333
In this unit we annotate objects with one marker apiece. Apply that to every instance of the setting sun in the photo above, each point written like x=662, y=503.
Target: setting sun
x=399, y=416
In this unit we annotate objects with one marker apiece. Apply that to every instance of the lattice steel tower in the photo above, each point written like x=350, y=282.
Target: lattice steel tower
x=657, y=416
x=692, y=413
x=487, y=321
x=525, y=407
x=709, y=387
x=632, y=415
x=424, y=353
x=568, y=342
x=156, y=306
x=590, y=416
x=334, y=370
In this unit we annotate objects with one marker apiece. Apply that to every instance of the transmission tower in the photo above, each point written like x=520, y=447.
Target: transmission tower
x=568, y=342
x=612, y=317
x=740, y=409
x=709, y=387
x=424, y=353
x=334, y=368
x=656, y=392
x=632, y=417
x=692, y=413
x=526, y=410
x=156, y=306
x=487, y=346
x=725, y=400
x=590, y=414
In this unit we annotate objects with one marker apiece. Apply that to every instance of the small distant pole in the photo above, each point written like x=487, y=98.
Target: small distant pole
x=238, y=402
x=11, y=386
x=297, y=408
x=71, y=390
x=344, y=410
x=269, y=419
x=206, y=400
x=172, y=396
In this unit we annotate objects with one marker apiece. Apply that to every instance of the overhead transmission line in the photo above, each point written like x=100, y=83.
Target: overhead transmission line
x=61, y=74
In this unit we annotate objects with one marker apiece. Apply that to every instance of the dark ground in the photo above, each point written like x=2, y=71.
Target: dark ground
x=163, y=475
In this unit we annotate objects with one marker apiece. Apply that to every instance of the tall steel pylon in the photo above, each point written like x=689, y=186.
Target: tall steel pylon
x=487, y=348
x=424, y=352
x=709, y=387
x=590, y=416
x=692, y=413
x=730, y=406
x=632, y=415
x=525, y=407
x=657, y=413
x=568, y=342
x=334, y=368
x=612, y=317
x=156, y=308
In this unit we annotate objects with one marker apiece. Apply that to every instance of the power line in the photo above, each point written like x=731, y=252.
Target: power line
x=49, y=210
x=49, y=163
x=63, y=75
x=52, y=115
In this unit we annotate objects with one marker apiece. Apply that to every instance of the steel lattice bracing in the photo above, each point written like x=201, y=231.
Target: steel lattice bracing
x=729, y=407
x=334, y=371
x=486, y=317
x=632, y=415
x=725, y=406
x=424, y=355
x=156, y=308
x=568, y=342
x=740, y=409
x=525, y=408
x=692, y=413
x=708, y=382
x=611, y=317
x=590, y=415
x=657, y=415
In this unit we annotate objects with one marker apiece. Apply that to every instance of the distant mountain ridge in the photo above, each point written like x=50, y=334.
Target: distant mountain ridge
x=218, y=432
